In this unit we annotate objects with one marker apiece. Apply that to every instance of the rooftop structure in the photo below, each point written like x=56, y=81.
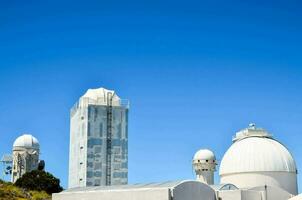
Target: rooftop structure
x=179, y=190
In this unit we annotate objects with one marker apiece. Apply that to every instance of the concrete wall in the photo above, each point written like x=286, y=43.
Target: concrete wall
x=193, y=191
x=251, y=195
x=229, y=195
x=298, y=197
x=88, y=146
x=240, y=195
x=284, y=180
x=78, y=147
x=273, y=193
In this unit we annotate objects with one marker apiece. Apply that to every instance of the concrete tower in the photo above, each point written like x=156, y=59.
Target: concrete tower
x=98, y=140
x=204, y=164
x=26, y=151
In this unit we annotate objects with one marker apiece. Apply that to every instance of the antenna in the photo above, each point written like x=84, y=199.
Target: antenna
x=252, y=125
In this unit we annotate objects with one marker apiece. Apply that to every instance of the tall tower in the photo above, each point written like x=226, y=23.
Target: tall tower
x=26, y=151
x=98, y=140
x=204, y=164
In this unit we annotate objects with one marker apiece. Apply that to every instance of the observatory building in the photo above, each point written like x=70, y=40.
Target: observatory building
x=26, y=150
x=98, y=140
x=204, y=164
x=255, y=167
x=257, y=159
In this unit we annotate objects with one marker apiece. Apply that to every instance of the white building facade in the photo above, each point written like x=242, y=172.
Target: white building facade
x=98, y=140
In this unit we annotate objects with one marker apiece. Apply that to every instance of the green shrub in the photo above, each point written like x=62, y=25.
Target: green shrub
x=39, y=181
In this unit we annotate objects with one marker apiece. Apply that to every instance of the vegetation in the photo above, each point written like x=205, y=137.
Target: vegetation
x=39, y=181
x=10, y=192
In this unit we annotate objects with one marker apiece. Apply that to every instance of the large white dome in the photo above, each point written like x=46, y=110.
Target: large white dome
x=27, y=141
x=256, y=159
x=257, y=154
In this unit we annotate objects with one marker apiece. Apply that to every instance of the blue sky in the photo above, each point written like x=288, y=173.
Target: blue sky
x=195, y=72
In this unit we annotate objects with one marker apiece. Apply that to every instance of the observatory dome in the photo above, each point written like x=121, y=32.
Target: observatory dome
x=204, y=154
x=100, y=95
x=256, y=154
x=256, y=159
x=204, y=164
x=27, y=141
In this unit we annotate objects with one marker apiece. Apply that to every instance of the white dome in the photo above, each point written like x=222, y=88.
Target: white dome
x=27, y=141
x=255, y=159
x=257, y=154
x=204, y=154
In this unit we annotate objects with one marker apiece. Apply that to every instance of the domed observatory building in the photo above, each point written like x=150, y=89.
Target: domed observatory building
x=256, y=159
x=204, y=164
x=98, y=140
x=26, y=150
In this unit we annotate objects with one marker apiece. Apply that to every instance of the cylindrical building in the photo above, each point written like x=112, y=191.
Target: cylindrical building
x=204, y=164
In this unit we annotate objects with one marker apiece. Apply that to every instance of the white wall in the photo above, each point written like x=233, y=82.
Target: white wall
x=298, y=197
x=239, y=195
x=273, y=193
x=193, y=191
x=284, y=180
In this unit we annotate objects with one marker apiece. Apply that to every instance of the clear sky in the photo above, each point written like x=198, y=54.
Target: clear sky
x=195, y=72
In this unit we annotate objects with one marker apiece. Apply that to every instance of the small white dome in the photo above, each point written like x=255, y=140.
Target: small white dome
x=204, y=154
x=257, y=154
x=27, y=141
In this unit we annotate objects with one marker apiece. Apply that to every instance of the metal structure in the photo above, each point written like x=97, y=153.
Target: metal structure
x=109, y=138
x=7, y=161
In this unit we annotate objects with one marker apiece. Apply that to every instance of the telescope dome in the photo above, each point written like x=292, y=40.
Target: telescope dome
x=257, y=159
x=204, y=154
x=26, y=141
